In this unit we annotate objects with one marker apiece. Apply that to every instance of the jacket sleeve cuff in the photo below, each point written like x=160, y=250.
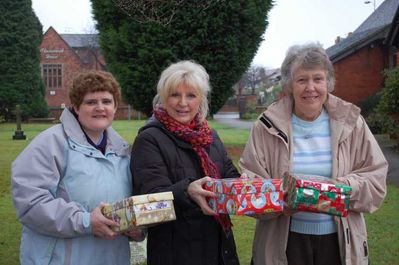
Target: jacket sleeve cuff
x=355, y=189
x=181, y=196
x=86, y=222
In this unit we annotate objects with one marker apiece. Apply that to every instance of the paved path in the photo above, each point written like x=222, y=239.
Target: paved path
x=235, y=123
x=391, y=155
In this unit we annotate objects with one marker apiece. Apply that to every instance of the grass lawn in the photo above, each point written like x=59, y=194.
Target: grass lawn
x=383, y=226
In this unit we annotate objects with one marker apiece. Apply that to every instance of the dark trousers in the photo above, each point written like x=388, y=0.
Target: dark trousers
x=305, y=249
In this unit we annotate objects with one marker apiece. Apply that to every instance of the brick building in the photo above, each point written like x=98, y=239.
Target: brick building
x=62, y=57
x=360, y=58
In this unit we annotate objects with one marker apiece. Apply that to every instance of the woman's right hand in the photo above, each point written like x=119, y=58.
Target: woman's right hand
x=198, y=194
x=100, y=225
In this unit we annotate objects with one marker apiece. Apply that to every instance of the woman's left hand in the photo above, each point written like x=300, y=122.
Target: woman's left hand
x=343, y=180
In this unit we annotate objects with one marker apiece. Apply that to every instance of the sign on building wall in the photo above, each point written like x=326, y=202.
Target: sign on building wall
x=51, y=53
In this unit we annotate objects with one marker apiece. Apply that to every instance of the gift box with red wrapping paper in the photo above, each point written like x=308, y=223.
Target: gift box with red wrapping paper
x=316, y=194
x=245, y=196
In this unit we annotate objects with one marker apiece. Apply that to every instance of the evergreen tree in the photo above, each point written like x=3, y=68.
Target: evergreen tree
x=140, y=38
x=389, y=103
x=20, y=79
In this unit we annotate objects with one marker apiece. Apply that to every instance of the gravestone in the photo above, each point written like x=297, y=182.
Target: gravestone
x=138, y=252
x=19, y=134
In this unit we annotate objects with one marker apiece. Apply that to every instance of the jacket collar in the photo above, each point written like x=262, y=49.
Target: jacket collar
x=343, y=115
x=276, y=119
x=73, y=130
x=342, y=111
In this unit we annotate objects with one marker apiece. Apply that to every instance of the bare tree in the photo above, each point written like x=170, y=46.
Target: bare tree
x=158, y=11
x=90, y=42
x=254, y=76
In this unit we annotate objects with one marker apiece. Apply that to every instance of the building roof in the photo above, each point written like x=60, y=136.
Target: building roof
x=81, y=40
x=376, y=26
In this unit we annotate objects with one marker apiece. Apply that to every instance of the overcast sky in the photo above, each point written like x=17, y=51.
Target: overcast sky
x=290, y=22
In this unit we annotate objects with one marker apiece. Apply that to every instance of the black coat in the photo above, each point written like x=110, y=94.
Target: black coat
x=161, y=162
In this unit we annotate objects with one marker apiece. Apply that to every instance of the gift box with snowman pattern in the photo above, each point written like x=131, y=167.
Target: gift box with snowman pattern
x=246, y=196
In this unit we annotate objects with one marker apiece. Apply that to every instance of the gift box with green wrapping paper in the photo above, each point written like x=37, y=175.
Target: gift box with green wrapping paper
x=141, y=210
x=316, y=194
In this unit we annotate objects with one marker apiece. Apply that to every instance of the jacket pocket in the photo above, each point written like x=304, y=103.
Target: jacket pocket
x=347, y=237
x=365, y=248
x=359, y=244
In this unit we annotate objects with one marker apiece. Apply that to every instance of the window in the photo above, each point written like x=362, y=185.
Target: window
x=52, y=75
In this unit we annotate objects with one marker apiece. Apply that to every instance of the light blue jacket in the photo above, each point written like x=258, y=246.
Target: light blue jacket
x=57, y=181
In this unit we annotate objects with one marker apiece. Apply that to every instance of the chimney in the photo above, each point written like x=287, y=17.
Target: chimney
x=337, y=40
x=350, y=34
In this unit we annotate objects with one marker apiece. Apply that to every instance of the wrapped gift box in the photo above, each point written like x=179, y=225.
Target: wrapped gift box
x=141, y=210
x=244, y=196
x=316, y=194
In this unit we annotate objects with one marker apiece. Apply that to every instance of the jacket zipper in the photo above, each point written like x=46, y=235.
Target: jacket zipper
x=266, y=121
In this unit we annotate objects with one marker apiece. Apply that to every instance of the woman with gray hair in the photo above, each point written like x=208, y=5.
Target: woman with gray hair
x=309, y=131
x=177, y=151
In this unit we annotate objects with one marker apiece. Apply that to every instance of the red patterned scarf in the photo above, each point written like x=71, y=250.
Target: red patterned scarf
x=199, y=135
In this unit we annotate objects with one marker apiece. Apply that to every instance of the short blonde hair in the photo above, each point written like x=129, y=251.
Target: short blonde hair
x=190, y=74
x=307, y=56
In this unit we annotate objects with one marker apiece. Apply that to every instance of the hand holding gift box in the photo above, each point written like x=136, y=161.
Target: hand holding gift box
x=245, y=196
x=316, y=194
x=141, y=210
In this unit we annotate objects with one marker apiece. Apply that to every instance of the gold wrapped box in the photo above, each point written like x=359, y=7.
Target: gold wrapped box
x=141, y=210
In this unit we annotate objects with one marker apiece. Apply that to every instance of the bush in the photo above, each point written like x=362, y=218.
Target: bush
x=383, y=119
x=250, y=112
x=390, y=96
x=38, y=109
x=369, y=104
x=381, y=123
x=250, y=116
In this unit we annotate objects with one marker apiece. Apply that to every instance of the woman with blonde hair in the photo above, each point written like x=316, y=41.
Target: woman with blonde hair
x=177, y=151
